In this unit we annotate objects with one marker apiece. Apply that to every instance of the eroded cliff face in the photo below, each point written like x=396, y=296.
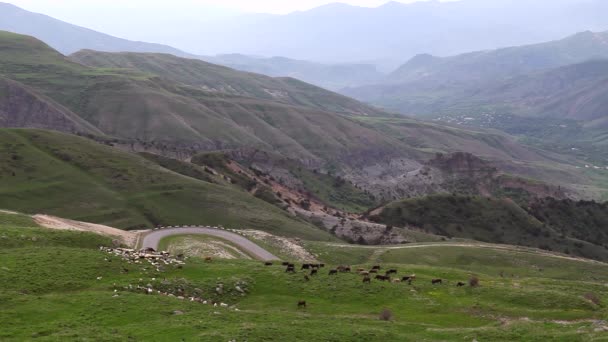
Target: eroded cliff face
x=462, y=173
x=21, y=107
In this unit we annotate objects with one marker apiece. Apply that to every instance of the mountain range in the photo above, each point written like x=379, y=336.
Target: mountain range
x=395, y=31
x=68, y=38
x=165, y=103
x=498, y=78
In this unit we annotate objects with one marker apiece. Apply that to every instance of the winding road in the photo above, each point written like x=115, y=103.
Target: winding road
x=152, y=239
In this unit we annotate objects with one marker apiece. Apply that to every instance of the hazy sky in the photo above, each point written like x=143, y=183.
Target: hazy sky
x=70, y=7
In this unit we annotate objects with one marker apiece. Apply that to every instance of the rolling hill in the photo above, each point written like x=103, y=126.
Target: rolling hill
x=215, y=78
x=73, y=177
x=153, y=103
x=522, y=293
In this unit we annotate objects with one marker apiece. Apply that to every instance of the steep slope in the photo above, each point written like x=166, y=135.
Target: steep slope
x=72, y=177
x=128, y=104
x=147, y=112
x=23, y=107
x=215, y=78
x=69, y=38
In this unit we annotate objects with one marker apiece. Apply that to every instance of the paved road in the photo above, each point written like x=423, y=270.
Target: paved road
x=152, y=239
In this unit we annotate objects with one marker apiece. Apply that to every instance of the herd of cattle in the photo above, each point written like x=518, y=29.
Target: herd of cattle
x=367, y=275
x=375, y=272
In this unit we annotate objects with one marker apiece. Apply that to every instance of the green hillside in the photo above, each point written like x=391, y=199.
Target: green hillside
x=68, y=290
x=218, y=78
x=503, y=221
x=135, y=105
x=68, y=176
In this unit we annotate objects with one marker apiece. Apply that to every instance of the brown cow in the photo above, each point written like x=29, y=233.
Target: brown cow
x=305, y=266
x=392, y=271
x=436, y=281
x=373, y=271
x=377, y=267
x=383, y=278
x=302, y=304
x=333, y=272
x=208, y=259
x=460, y=284
x=344, y=268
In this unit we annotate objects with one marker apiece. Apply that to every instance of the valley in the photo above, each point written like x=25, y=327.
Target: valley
x=376, y=179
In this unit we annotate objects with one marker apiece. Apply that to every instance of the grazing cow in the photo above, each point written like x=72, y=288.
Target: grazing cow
x=382, y=278
x=367, y=279
x=290, y=269
x=333, y=272
x=460, y=284
x=208, y=259
x=377, y=267
x=364, y=273
x=305, y=266
x=344, y=268
x=313, y=272
x=406, y=278
x=302, y=304
x=321, y=265
x=285, y=263
x=268, y=263
x=436, y=281
x=360, y=270
x=373, y=271
x=391, y=271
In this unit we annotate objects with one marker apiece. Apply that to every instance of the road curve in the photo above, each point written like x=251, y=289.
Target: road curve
x=152, y=239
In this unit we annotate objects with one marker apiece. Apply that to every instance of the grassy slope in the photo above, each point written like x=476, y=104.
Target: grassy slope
x=54, y=294
x=73, y=177
x=492, y=220
x=133, y=105
x=210, y=76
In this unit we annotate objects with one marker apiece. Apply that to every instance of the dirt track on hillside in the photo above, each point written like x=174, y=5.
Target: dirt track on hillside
x=52, y=222
x=474, y=245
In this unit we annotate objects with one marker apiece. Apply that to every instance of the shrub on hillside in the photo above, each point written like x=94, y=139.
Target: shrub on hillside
x=386, y=315
x=473, y=281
